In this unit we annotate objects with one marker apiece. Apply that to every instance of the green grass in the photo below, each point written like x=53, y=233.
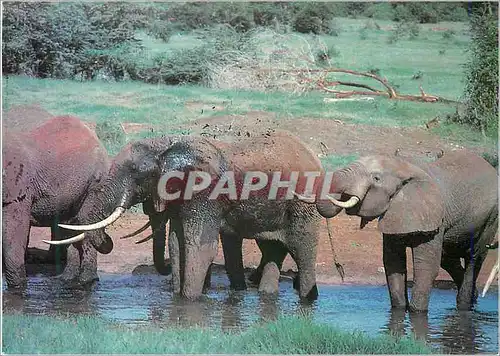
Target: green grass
x=333, y=162
x=286, y=335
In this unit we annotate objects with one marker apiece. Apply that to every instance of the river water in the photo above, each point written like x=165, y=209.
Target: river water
x=148, y=299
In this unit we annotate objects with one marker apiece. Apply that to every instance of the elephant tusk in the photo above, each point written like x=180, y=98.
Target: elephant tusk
x=137, y=232
x=99, y=225
x=493, y=273
x=344, y=204
x=67, y=241
x=305, y=199
x=147, y=238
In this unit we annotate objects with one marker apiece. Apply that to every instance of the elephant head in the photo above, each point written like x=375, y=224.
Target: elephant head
x=132, y=179
x=401, y=195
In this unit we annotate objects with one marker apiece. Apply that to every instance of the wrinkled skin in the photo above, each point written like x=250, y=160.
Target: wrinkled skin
x=196, y=223
x=47, y=173
x=444, y=210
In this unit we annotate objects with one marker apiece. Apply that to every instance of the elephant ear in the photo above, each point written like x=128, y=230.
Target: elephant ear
x=417, y=207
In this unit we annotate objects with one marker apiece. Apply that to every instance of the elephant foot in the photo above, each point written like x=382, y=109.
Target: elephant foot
x=417, y=309
x=238, y=285
x=87, y=278
x=270, y=279
x=255, y=277
x=465, y=301
x=311, y=296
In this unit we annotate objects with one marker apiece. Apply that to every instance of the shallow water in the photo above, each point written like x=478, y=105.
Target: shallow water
x=148, y=300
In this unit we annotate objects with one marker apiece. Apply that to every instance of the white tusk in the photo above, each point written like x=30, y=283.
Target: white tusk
x=493, y=273
x=137, y=232
x=147, y=238
x=108, y=221
x=344, y=204
x=305, y=199
x=67, y=241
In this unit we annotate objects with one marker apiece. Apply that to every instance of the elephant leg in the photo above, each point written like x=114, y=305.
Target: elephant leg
x=272, y=251
x=302, y=244
x=454, y=268
x=201, y=238
x=15, y=238
x=426, y=262
x=269, y=284
x=88, y=265
x=467, y=294
x=72, y=268
x=176, y=253
x=394, y=257
x=233, y=260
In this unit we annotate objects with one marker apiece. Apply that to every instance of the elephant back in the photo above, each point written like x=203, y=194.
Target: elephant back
x=279, y=151
x=25, y=118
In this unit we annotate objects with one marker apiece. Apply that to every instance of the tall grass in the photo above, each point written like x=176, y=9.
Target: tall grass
x=288, y=335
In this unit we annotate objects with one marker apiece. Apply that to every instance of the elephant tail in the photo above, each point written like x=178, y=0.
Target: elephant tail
x=340, y=268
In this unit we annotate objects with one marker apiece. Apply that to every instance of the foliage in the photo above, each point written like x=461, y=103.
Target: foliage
x=313, y=18
x=404, y=29
x=287, y=335
x=62, y=40
x=481, y=81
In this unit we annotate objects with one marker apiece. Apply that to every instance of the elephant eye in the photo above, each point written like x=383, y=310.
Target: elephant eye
x=376, y=178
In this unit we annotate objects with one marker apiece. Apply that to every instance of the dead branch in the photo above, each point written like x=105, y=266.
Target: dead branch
x=390, y=91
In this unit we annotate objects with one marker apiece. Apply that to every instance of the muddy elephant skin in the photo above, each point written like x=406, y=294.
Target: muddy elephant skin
x=284, y=225
x=47, y=172
x=444, y=210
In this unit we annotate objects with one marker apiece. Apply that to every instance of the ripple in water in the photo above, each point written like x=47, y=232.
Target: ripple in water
x=148, y=300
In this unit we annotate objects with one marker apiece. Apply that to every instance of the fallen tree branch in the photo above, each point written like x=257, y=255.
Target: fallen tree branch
x=390, y=92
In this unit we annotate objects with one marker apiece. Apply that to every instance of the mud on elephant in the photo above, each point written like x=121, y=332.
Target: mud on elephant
x=444, y=210
x=47, y=173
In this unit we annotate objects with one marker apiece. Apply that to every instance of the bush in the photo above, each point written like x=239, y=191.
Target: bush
x=481, y=86
x=429, y=12
x=404, y=29
x=58, y=40
x=313, y=18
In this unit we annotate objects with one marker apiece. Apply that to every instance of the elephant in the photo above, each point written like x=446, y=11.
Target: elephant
x=48, y=170
x=279, y=226
x=444, y=210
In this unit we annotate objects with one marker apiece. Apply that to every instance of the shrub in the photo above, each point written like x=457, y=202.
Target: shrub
x=313, y=18
x=448, y=34
x=324, y=55
x=404, y=29
x=481, y=71
x=57, y=40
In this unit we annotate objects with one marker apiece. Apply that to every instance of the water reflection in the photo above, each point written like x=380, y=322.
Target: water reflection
x=148, y=299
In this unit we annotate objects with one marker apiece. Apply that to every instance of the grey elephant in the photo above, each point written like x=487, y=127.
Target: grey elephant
x=444, y=210
x=279, y=226
x=48, y=168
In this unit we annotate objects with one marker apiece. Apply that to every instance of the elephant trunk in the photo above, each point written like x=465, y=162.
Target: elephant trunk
x=159, y=246
x=329, y=205
x=101, y=208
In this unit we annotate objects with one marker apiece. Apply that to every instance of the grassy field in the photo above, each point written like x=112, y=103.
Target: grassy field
x=287, y=335
x=360, y=45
